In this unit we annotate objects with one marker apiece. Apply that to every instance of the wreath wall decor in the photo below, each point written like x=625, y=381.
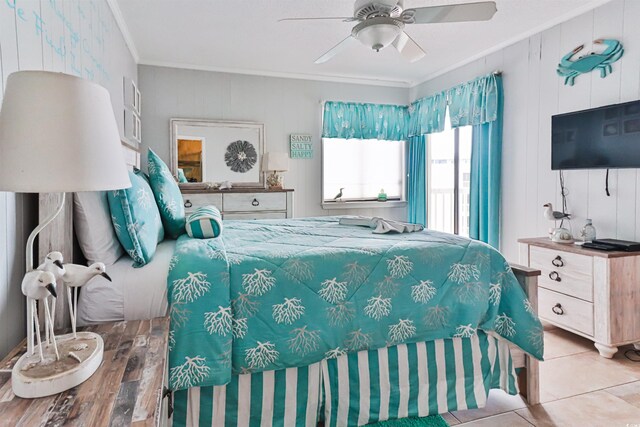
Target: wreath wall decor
x=241, y=156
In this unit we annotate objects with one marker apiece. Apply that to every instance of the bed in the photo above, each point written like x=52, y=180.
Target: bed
x=366, y=380
x=302, y=310
x=339, y=377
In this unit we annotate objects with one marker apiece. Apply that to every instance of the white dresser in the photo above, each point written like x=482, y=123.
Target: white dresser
x=242, y=203
x=592, y=293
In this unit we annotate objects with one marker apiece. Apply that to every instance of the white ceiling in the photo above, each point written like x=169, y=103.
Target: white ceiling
x=244, y=36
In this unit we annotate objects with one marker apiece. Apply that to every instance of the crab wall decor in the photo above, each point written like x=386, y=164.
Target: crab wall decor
x=585, y=64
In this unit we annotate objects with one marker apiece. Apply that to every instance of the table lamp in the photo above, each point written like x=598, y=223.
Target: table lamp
x=58, y=134
x=275, y=162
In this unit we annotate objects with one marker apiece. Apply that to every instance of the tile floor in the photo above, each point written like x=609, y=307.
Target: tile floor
x=577, y=386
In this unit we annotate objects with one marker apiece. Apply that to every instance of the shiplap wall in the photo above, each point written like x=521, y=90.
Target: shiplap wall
x=533, y=93
x=285, y=106
x=78, y=37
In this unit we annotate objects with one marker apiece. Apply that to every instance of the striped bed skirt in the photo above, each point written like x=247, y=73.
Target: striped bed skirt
x=406, y=380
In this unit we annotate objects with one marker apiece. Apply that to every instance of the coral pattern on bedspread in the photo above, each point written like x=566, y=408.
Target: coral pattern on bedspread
x=273, y=294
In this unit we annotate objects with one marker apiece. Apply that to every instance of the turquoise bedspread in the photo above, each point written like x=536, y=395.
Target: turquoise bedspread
x=273, y=294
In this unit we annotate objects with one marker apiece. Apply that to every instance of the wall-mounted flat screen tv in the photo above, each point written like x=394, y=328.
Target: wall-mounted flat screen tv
x=599, y=138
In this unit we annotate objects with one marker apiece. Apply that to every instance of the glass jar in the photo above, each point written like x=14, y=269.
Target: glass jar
x=588, y=232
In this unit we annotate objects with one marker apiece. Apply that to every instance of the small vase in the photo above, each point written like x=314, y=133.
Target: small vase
x=588, y=232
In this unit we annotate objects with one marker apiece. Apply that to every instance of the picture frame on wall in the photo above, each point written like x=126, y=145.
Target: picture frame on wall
x=227, y=151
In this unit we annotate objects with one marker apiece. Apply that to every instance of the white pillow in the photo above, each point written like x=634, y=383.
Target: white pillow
x=94, y=229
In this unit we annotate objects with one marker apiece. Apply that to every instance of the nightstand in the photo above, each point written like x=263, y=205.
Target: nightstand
x=591, y=293
x=126, y=389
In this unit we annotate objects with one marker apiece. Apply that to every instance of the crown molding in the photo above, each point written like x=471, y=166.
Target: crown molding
x=513, y=40
x=361, y=80
x=122, y=24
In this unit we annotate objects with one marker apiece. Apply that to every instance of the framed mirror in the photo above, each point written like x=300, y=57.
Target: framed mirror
x=215, y=151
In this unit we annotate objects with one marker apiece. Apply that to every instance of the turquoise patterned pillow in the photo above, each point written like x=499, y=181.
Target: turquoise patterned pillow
x=167, y=194
x=136, y=219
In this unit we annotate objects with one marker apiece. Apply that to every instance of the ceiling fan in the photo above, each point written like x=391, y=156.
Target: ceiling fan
x=381, y=23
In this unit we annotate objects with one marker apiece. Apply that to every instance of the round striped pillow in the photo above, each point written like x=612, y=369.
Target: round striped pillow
x=204, y=223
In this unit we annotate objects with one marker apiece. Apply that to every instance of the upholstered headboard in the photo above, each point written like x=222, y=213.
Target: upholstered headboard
x=59, y=235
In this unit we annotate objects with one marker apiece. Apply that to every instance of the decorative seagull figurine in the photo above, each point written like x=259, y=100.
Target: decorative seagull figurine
x=552, y=215
x=77, y=276
x=339, y=195
x=37, y=286
x=53, y=264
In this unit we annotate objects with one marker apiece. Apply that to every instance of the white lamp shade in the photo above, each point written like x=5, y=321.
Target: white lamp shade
x=58, y=133
x=275, y=161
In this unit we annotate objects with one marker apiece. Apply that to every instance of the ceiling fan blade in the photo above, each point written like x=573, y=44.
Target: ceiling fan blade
x=464, y=12
x=408, y=47
x=341, y=18
x=335, y=50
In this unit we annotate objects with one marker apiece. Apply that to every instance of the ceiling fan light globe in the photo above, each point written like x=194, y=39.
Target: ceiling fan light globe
x=377, y=36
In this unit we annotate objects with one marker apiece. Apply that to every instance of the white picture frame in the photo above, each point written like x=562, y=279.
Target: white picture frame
x=132, y=96
x=132, y=126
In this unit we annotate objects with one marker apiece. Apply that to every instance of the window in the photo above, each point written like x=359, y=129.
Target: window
x=362, y=168
x=448, y=179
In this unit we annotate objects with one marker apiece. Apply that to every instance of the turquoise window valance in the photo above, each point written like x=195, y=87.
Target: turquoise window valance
x=427, y=115
x=365, y=121
x=474, y=102
x=471, y=103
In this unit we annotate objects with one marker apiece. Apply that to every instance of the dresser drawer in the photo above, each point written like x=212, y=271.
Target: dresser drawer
x=256, y=215
x=566, y=311
x=250, y=202
x=196, y=200
x=572, y=273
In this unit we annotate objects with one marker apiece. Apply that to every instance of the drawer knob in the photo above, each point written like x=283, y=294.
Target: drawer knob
x=557, y=309
x=255, y=202
x=558, y=262
x=188, y=204
x=554, y=275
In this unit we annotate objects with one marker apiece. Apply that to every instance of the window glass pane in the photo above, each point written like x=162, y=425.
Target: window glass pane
x=363, y=168
x=464, y=168
x=441, y=179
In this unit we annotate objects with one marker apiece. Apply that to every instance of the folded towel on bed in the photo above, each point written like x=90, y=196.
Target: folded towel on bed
x=204, y=223
x=381, y=225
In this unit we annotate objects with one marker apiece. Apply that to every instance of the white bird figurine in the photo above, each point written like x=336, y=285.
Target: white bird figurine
x=53, y=264
x=37, y=286
x=552, y=215
x=76, y=276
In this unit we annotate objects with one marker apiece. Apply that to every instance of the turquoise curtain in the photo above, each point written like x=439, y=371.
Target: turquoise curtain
x=427, y=115
x=474, y=102
x=417, y=179
x=486, y=168
x=365, y=121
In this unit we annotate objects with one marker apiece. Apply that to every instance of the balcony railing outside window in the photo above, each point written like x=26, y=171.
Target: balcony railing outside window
x=448, y=180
